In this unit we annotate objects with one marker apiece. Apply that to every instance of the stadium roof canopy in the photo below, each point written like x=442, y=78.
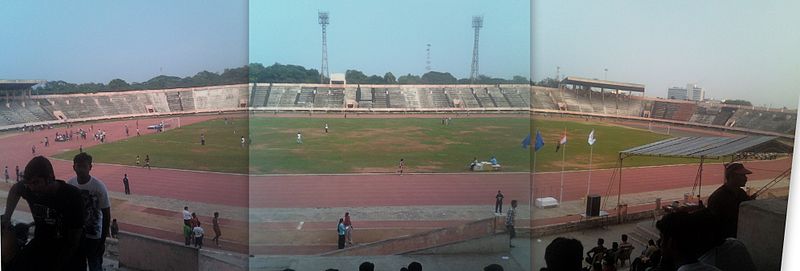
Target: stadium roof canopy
x=571, y=80
x=18, y=84
x=709, y=147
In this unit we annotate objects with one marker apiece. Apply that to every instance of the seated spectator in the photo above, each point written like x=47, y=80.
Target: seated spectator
x=595, y=255
x=650, y=257
x=611, y=254
x=366, y=266
x=679, y=238
x=415, y=266
x=723, y=253
x=563, y=254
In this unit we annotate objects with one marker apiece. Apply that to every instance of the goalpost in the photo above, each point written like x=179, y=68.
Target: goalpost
x=171, y=123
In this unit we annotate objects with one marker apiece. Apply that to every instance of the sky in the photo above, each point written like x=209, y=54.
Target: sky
x=376, y=37
x=734, y=49
x=97, y=41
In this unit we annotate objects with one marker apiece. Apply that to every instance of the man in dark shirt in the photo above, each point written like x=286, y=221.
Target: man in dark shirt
x=57, y=210
x=498, y=203
x=724, y=202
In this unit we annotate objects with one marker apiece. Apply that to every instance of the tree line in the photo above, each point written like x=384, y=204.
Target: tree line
x=280, y=73
x=201, y=79
x=257, y=72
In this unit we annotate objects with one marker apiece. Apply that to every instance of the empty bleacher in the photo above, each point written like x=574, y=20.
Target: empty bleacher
x=174, y=101
x=395, y=99
x=260, y=95
x=187, y=100
x=380, y=98
x=330, y=98
x=305, y=97
x=705, y=114
x=521, y=98
x=467, y=98
x=483, y=98
x=672, y=110
x=497, y=96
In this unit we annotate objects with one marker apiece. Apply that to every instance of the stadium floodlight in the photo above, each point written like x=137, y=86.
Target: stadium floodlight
x=477, y=23
x=324, y=20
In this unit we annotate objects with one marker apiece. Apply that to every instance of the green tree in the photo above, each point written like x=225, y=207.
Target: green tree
x=389, y=78
x=433, y=77
x=355, y=77
x=118, y=84
x=517, y=79
x=409, y=79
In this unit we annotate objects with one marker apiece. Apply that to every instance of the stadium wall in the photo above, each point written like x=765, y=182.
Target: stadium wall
x=390, y=99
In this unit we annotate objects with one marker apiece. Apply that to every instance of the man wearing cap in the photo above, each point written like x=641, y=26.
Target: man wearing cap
x=724, y=202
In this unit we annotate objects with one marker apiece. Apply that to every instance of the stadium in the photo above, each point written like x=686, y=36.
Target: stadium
x=278, y=197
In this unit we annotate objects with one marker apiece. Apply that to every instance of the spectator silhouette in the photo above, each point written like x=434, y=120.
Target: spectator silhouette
x=679, y=238
x=724, y=202
x=415, y=266
x=366, y=266
x=563, y=254
x=58, y=214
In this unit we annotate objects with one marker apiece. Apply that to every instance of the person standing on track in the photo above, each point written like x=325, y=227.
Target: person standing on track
x=341, y=230
x=217, y=231
x=202, y=139
x=401, y=166
x=299, y=138
x=147, y=160
x=125, y=182
x=498, y=203
x=326, y=127
x=348, y=227
x=187, y=216
x=5, y=173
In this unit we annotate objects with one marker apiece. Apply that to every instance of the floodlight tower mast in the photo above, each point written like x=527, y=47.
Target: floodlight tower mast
x=323, y=71
x=428, y=59
x=477, y=23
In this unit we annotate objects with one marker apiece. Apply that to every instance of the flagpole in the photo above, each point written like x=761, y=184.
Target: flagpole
x=533, y=172
x=589, y=182
x=563, y=157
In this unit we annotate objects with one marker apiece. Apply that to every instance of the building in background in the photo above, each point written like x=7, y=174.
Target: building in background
x=692, y=92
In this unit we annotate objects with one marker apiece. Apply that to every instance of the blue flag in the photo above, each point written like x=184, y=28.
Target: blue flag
x=526, y=142
x=539, y=141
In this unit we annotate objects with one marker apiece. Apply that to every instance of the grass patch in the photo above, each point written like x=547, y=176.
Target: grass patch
x=376, y=145
x=180, y=148
x=611, y=139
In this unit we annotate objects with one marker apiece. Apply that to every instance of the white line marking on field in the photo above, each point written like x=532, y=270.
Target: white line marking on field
x=300, y=225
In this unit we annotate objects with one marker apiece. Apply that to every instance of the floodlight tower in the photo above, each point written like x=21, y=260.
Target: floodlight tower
x=428, y=59
x=323, y=71
x=477, y=23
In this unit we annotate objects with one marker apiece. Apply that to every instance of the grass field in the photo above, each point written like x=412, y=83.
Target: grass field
x=180, y=148
x=376, y=145
x=611, y=139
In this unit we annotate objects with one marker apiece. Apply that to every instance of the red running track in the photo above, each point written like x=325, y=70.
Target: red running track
x=309, y=191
